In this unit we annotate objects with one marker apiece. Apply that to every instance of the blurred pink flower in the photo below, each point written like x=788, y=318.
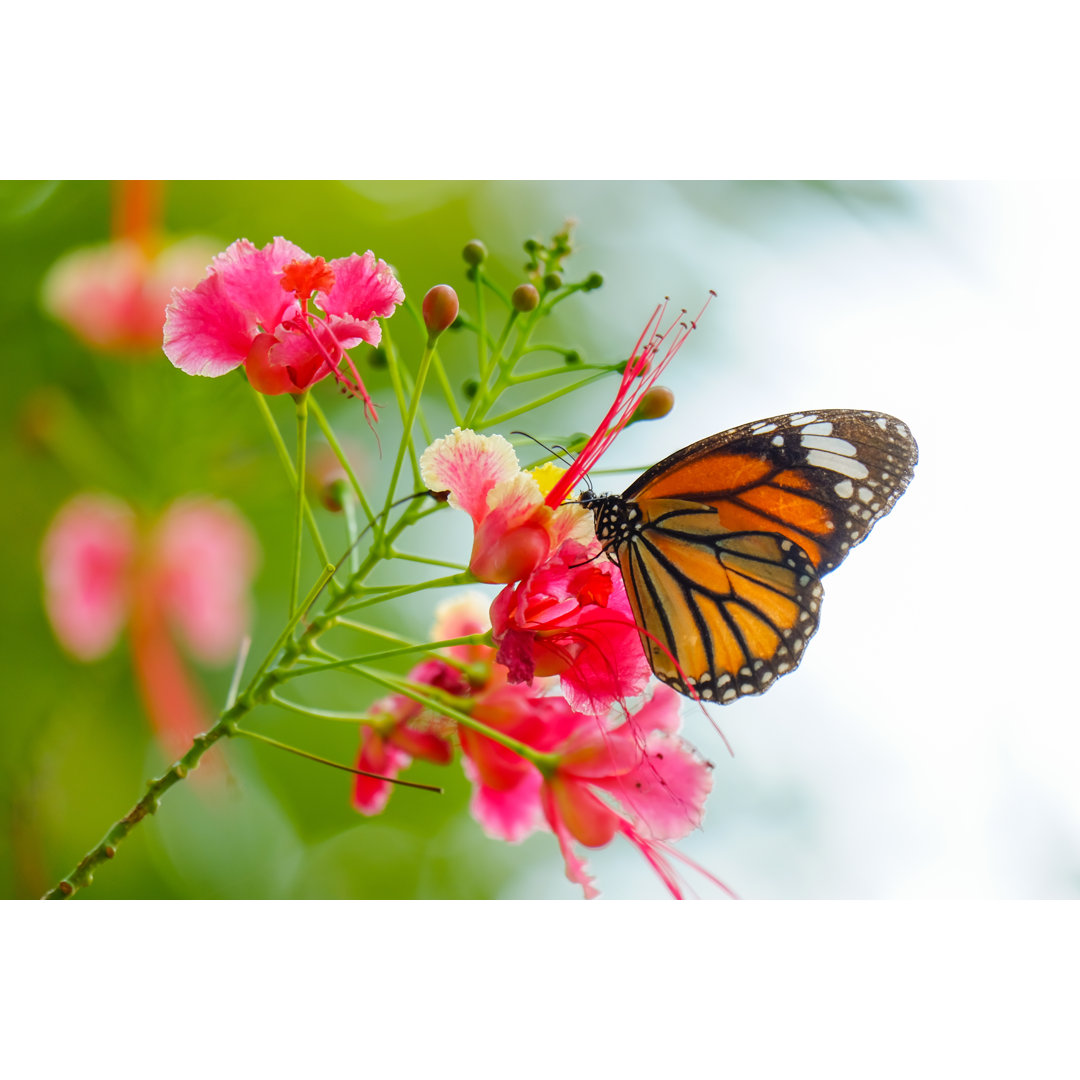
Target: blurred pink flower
x=113, y=295
x=188, y=577
x=252, y=309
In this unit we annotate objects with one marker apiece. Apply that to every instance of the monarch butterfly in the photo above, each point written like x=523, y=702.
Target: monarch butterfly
x=723, y=544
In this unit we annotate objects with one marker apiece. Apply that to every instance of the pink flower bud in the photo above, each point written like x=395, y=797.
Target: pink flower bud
x=440, y=309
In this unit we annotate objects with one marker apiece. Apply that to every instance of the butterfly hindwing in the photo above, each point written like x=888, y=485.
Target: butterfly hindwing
x=820, y=478
x=725, y=612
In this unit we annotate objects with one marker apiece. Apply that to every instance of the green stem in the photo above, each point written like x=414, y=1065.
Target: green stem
x=406, y=435
x=387, y=654
x=290, y=471
x=335, y=764
x=544, y=762
x=301, y=465
x=331, y=438
x=83, y=874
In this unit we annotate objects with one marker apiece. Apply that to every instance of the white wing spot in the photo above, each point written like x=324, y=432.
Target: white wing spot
x=882, y=423
x=762, y=429
x=845, y=489
x=728, y=695
x=778, y=440
x=824, y=428
x=835, y=463
x=865, y=494
x=832, y=444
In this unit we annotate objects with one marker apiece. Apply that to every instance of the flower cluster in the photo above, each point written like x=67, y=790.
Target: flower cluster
x=252, y=310
x=187, y=576
x=585, y=777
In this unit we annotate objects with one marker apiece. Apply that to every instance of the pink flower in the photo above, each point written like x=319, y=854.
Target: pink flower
x=639, y=780
x=568, y=615
x=188, y=577
x=515, y=530
x=252, y=309
x=571, y=618
x=113, y=296
x=399, y=729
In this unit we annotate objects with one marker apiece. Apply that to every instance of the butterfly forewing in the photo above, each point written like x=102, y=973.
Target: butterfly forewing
x=726, y=612
x=820, y=478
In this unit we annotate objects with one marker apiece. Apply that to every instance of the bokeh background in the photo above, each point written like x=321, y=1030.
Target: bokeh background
x=927, y=747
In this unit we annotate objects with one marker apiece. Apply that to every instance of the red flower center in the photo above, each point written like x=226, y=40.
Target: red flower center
x=305, y=277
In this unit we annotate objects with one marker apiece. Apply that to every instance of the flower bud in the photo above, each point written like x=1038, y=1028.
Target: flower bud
x=658, y=401
x=593, y=281
x=525, y=298
x=470, y=387
x=572, y=357
x=552, y=282
x=475, y=252
x=377, y=358
x=439, y=309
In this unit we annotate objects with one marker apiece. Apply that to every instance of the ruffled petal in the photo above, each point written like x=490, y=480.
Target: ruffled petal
x=205, y=332
x=665, y=792
x=86, y=558
x=350, y=332
x=251, y=278
x=363, y=288
x=468, y=466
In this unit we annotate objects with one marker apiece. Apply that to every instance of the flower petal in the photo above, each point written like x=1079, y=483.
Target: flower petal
x=468, y=466
x=251, y=278
x=86, y=558
x=203, y=559
x=205, y=332
x=666, y=791
x=370, y=795
x=507, y=814
x=363, y=288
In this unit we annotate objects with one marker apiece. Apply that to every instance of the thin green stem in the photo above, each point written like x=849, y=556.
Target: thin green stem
x=406, y=435
x=290, y=472
x=301, y=468
x=331, y=438
x=426, y=561
x=431, y=647
x=546, y=399
x=335, y=764
x=396, y=591
x=544, y=762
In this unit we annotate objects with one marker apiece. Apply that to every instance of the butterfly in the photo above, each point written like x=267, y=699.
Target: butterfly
x=722, y=545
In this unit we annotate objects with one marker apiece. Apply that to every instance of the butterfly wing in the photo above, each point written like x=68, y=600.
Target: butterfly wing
x=821, y=478
x=725, y=612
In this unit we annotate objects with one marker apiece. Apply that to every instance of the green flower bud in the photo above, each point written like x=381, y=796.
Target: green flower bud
x=470, y=387
x=593, y=281
x=658, y=401
x=377, y=359
x=573, y=357
x=475, y=252
x=525, y=297
x=552, y=282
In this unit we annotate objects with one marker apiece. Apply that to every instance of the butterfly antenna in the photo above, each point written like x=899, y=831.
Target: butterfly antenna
x=554, y=451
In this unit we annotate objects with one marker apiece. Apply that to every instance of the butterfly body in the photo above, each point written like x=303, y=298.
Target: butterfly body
x=722, y=545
